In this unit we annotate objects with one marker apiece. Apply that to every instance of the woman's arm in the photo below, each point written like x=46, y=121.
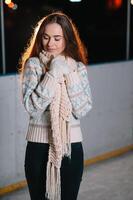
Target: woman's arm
x=79, y=91
x=37, y=95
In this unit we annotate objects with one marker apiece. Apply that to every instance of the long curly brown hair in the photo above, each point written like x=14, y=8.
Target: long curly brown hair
x=74, y=46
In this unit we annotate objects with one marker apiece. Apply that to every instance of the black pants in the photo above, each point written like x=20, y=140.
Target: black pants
x=35, y=170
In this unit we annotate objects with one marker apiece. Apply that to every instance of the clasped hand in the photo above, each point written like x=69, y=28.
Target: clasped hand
x=57, y=65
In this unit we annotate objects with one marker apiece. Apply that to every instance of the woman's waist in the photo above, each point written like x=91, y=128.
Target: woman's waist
x=40, y=133
x=44, y=120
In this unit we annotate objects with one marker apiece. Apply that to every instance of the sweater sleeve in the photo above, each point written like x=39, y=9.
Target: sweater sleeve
x=37, y=93
x=79, y=91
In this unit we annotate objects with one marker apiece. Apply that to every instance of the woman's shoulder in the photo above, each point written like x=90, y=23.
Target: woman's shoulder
x=80, y=66
x=32, y=62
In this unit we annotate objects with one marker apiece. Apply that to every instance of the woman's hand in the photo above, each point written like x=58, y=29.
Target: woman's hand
x=45, y=57
x=59, y=66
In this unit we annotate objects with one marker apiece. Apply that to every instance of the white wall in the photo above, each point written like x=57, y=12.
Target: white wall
x=108, y=126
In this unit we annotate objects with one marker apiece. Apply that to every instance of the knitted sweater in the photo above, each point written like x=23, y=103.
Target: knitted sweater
x=38, y=90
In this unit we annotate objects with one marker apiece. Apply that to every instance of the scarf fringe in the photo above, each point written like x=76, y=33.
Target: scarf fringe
x=53, y=189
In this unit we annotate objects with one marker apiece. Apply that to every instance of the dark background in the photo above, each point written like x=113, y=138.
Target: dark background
x=102, y=27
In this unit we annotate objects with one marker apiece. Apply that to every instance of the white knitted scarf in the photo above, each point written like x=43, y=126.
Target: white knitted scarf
x=60, y=112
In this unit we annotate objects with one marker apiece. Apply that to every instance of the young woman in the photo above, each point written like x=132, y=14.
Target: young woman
x=56, y=94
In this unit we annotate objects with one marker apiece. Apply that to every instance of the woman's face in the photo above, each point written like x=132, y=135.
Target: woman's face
x=53, y=39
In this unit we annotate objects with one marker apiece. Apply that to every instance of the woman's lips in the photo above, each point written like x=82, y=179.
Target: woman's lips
x=51, y=50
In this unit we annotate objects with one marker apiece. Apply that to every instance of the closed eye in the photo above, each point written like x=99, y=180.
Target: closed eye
x=57, y=39
x=45, y=37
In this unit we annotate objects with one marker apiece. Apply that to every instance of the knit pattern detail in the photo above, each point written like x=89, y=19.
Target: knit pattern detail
x=37, y=88
x=79, y=92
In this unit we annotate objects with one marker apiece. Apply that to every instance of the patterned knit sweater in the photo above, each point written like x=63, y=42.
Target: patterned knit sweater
x=38, y=90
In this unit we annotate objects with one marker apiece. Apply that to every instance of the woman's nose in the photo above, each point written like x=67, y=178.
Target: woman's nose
x=50, y=42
